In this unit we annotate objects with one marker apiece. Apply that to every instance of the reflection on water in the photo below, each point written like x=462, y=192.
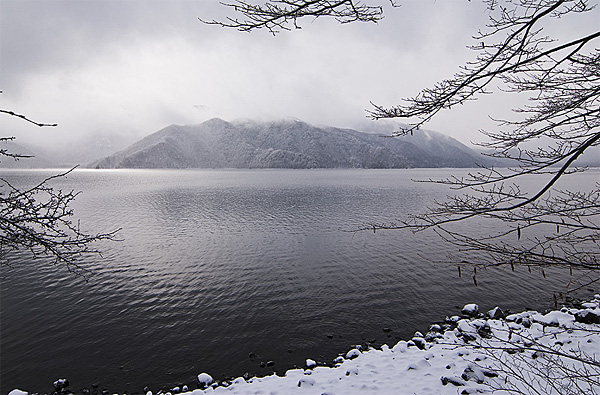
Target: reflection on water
x=216, y=265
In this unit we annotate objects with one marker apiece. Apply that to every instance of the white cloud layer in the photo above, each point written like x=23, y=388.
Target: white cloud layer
x=133, y=67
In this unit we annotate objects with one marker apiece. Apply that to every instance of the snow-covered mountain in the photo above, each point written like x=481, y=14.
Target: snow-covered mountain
x=287, y=144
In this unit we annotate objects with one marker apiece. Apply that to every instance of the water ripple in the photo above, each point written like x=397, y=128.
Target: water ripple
x=215, y=265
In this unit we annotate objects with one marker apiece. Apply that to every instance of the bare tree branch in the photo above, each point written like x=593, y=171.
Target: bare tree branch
x=564, y=110
x=38, y=219
x=539, y=228
x=277, y=15
x=23, y=117
x=7, y=153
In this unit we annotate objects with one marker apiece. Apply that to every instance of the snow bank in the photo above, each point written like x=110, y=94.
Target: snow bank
x=468, y=357
x=464, y=355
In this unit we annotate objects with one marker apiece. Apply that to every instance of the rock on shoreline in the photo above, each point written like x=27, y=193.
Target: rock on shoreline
x=464, y=354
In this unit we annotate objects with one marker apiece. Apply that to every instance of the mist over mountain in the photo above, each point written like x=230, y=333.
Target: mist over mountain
x=31, y=161
x=64, y=154
x=83, y=150
x=287, y=143
x=88, y=150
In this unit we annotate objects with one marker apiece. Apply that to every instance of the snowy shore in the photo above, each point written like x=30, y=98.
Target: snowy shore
x=473, y=353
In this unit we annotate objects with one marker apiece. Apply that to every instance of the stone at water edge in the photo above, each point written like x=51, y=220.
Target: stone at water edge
x=17, y=392
x=587, y=317
x=589, y=305
x=401, y=346
x=496, y=313
x=352, y=353
x=431, y=336
x=472, y=310
x=204, y=379
x=419, y=342
x=61, y=384
x=310, y=363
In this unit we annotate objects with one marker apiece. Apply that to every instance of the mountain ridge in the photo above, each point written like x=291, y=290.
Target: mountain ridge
x=288, y=143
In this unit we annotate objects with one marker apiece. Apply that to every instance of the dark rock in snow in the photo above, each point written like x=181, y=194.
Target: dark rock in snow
x=306, y=382
x=473, y=373
x=587, y=317
x=489, y=373
x=484, y=330
x=525, y=321
x=419, y=342
x=453, y=380
x=431, y=336
x=467, y=337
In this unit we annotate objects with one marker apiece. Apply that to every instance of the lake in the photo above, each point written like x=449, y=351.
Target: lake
x=220, y=270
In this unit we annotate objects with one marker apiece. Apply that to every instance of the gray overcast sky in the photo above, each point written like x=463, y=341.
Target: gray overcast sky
x=132, y=67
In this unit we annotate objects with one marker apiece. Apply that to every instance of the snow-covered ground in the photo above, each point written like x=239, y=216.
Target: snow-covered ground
x=476, y=353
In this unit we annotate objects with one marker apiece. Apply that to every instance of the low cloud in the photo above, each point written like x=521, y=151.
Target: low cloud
x=134, y=67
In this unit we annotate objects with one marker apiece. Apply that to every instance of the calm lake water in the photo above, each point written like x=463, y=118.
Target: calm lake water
x=216, y=265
